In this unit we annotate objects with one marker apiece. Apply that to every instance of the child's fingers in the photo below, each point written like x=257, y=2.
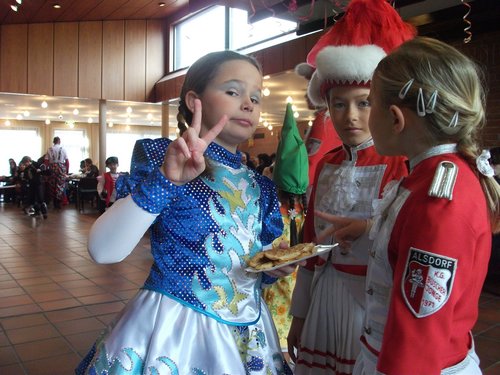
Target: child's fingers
x=215, y=130
x=325, y=234
x=182, y=147
x=196, y=122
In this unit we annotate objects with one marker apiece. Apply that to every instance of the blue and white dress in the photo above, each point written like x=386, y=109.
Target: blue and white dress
x=199, y=311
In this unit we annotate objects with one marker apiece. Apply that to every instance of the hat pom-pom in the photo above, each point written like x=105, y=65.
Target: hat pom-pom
x=304, y=70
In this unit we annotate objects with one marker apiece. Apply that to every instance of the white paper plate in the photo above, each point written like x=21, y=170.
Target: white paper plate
x=318, y=250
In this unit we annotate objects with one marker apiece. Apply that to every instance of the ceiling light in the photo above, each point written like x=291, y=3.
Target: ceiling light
x=60, y=117
x=47, y=122
x=289, y=99
x=162, y=4
x=19, y=2
x=56, y=6
x=127, y=120
x=270, y=127
x=266, y=92
x=19, y=117
x=150, y=116
x=294, y=108
x=296, y=114
x=7, y=123
x=89, y=120
x=76, y=111
x=26, y=114
x=310, y=123
x=14, y=8
x=44, y=104
x=129, y=109
x=110, y=124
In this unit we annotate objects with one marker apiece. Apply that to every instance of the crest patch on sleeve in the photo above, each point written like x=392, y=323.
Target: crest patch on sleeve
x=427, y=281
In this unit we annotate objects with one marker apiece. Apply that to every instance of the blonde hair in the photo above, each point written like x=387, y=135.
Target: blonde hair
x=435, y=66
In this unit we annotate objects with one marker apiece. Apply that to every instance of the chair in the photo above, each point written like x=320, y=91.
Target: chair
x=86, y=191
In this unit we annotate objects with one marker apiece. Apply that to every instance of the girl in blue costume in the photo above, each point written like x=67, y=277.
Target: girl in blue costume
x=199, y=311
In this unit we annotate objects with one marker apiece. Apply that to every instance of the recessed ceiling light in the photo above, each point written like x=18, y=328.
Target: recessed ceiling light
x=7, y=123
x=162, y=4
x=26, y=114
x=44, y=104
x=76, y=111
x=129, y=109
x=56, y=6
x=47, y=122
x=19, y=117
x=89, y=120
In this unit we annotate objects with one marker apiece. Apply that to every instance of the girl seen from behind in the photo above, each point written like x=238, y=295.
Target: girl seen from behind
x=432, y=232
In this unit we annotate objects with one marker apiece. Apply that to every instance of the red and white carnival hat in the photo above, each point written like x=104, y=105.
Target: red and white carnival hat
x=348, y=53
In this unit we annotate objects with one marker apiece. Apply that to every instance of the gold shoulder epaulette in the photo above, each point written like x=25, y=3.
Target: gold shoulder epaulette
x=444, y=180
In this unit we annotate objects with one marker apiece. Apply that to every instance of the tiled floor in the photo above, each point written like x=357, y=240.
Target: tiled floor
x=54, y=300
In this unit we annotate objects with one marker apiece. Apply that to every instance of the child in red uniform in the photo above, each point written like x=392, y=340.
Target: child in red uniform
x=328, y=299
x=106, y=185
x=433, y=230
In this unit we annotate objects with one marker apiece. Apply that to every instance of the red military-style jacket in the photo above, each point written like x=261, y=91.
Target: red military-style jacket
x=427, y=266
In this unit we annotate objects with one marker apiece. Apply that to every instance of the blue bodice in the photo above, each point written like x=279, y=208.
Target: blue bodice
x=206, y=230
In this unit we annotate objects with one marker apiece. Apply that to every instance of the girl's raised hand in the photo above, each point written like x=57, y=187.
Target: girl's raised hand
x=184, y=160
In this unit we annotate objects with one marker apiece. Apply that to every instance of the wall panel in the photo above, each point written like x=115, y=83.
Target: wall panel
x=14, y=58
x=135, y=60
x=155, y=56
x=41, y=58
x=66, y=59
x=90, y=60
x=113, y=60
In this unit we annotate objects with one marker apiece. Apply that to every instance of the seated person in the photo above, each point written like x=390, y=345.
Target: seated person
x=90, y=169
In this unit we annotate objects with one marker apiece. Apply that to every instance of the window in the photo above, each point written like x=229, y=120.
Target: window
x=198, y=36
x=207, y=32
x=76, y=144
x=244, y=34
x=121, y=145
x=16, y=143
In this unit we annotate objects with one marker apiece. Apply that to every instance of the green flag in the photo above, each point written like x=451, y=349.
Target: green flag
x=291, y=166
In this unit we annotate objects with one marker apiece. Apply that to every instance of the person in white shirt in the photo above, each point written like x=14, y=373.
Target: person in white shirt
x=59, y=165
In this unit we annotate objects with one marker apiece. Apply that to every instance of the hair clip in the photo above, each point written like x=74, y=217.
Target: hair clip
x=431, y=104
x=454, y=120
x=483, y=164
x=420, y=103
x=404, y=90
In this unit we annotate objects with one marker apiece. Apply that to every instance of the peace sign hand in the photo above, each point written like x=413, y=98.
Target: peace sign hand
x=184, y=159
